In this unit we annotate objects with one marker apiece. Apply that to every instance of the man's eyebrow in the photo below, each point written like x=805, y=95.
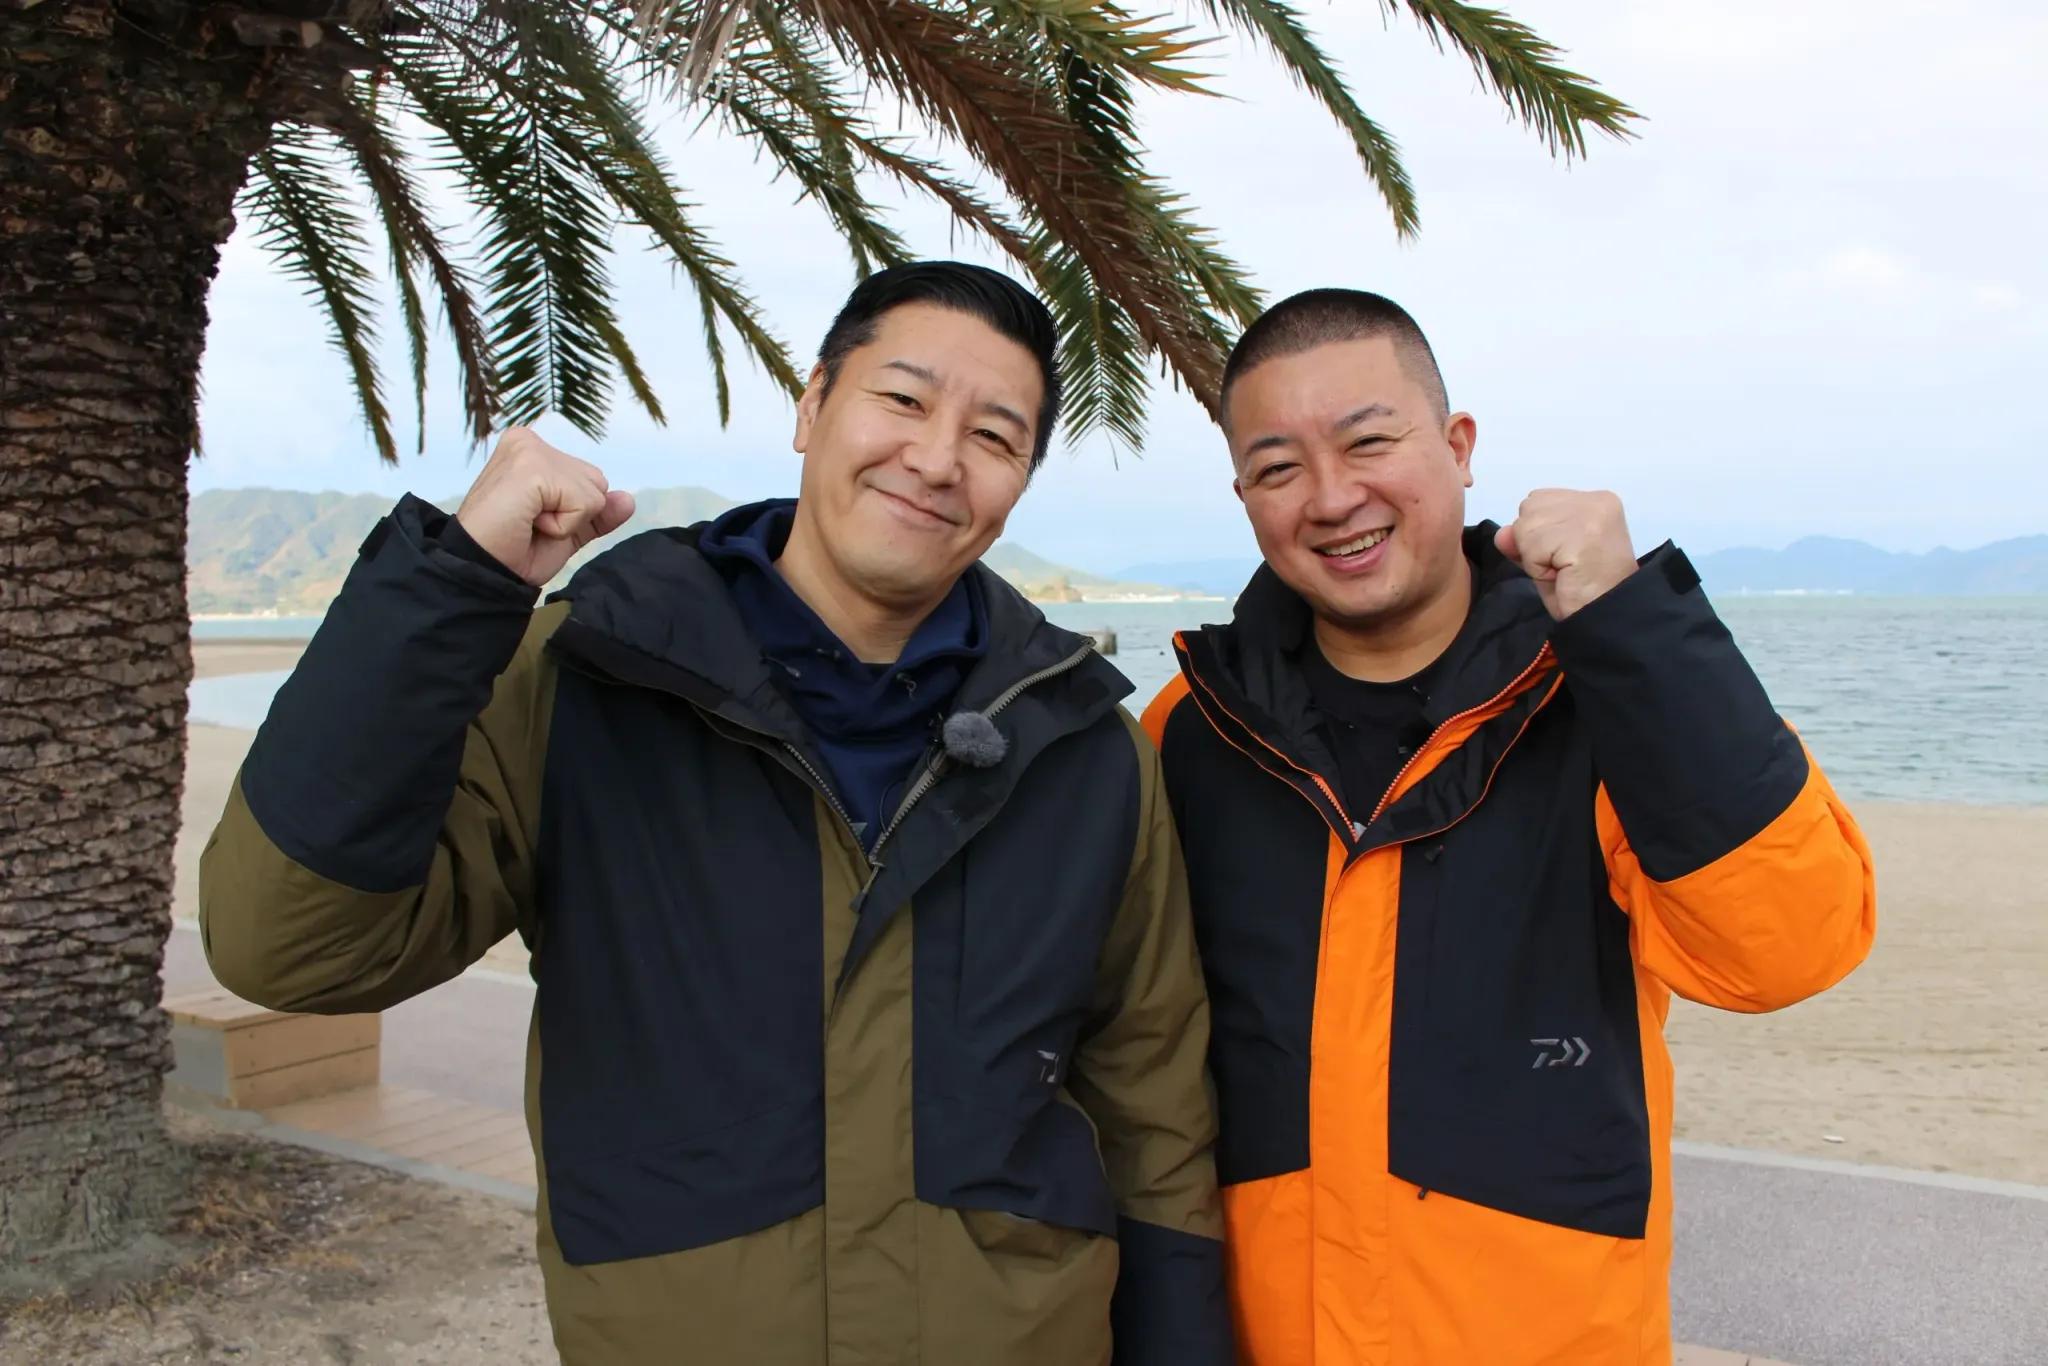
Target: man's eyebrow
x=929, y=376
x=1369, y=410
x=1267, y=443
x=1007, y=413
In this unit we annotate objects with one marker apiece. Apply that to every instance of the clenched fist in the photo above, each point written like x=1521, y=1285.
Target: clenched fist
x=533, y=506
x=1574, y=545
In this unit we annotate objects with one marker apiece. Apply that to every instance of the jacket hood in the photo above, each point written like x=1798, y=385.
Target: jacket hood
x=657, y=596
x=1251, y=661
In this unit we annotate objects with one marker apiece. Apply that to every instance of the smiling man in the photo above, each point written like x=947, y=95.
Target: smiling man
x=868, y=1028
x=1463, y=808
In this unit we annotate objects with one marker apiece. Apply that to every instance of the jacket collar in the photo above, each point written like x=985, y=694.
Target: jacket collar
x=657, y=598
x=1246, y=677
x=1252, y=659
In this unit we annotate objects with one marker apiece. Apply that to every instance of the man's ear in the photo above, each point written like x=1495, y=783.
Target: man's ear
x=807, y=408
x=1461, y=433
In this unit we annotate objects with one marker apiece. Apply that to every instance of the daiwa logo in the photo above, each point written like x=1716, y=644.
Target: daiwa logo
x=1571, y=1052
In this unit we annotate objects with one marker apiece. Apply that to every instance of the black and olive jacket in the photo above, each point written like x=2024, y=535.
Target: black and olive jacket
x=790, y=1103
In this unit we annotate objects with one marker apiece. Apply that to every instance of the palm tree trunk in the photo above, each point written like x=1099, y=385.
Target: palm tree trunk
x=121, y=155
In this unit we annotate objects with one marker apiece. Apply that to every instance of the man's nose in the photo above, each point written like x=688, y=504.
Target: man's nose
x=1332, y=497
x=934, y=455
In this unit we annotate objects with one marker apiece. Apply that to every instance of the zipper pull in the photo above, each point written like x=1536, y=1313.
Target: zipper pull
x=860, y=901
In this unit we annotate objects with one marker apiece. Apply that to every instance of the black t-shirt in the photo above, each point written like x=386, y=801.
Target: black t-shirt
x=1371, y=728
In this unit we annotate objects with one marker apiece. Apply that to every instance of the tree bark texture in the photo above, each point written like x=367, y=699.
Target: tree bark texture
x=125, y=130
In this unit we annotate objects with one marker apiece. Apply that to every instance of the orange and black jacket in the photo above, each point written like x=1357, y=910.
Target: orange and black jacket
x=1445, y=1099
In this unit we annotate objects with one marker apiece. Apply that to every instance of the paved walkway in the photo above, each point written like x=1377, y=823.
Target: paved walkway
x=1813, y=1262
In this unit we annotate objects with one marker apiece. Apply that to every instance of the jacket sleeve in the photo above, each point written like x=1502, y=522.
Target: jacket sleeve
x=379, y=837
x=1747, y=883
x=1142, y=1076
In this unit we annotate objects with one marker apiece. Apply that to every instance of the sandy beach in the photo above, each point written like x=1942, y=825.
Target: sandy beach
x=1934, y=1054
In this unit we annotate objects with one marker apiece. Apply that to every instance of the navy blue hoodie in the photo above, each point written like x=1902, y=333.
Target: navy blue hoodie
x=872, y=722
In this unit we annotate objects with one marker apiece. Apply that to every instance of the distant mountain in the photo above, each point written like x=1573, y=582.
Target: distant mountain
x=285, y=552
x=282, y=552
x=264, y=550
x=1827, y=564
x=1223, y=578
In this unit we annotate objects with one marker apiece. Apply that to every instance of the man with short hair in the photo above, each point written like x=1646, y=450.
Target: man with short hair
x=1462, y=809
x=868, y=1025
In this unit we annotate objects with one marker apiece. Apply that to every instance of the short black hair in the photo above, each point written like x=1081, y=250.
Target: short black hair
x=1318, y=317
x=977, y=291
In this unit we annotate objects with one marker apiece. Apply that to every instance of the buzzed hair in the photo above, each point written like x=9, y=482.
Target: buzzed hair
x=1318, y=317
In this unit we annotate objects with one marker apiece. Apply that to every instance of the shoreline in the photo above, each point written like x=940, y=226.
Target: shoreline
x=1036, y=600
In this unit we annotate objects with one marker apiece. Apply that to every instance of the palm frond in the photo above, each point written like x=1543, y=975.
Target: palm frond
x=778, y=92
x=1280, y=27
x=413, y=318
x=1522, y=69
x=1198, y=257
x=313, y=231
x=1102, y=35
x=528, y=106
x=703, y=38
x=629, y=367
x=1103, y=376
x=714, y=347
x=1100, y=103
x=365, y=130
x=547, y=236
x=964, y=84
x=591, y=126
x=808, y=90
x=929, y=177
x=789, y=142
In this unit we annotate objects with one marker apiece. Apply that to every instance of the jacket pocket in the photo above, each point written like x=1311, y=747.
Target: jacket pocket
x=694, y=1191
x=1039, y=1163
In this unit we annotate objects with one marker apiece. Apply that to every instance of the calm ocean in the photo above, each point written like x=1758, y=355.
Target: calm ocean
x=1914, y=699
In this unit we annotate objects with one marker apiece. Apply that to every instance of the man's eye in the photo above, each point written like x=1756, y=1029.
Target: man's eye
x=1371, y=443
x=902, y=400
x=1273, y=471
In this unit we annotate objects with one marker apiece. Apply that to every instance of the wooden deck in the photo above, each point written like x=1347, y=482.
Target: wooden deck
x=421, y=1127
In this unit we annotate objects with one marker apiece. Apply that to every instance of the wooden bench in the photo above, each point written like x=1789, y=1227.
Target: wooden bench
x=244, y=1056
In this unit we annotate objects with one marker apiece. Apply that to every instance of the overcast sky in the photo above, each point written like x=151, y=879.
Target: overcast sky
x=1809, y=299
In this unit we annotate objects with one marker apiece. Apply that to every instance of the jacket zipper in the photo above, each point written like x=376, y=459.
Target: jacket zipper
x=1387, y=798
x=1355, y=831
x=818, y=781
x=926, y=780
x=1329, y=793
x=936, y=767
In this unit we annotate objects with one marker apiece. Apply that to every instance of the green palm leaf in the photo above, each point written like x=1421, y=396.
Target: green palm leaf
x=539, y=111
x=416, y=244
x=1521, y=67
x=1280, y=27
x=548, y=233
x=589, y=123
x=312, y=229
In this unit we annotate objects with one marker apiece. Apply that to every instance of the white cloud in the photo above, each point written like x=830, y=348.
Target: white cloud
x=1866, y=269
x=1998, y=298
